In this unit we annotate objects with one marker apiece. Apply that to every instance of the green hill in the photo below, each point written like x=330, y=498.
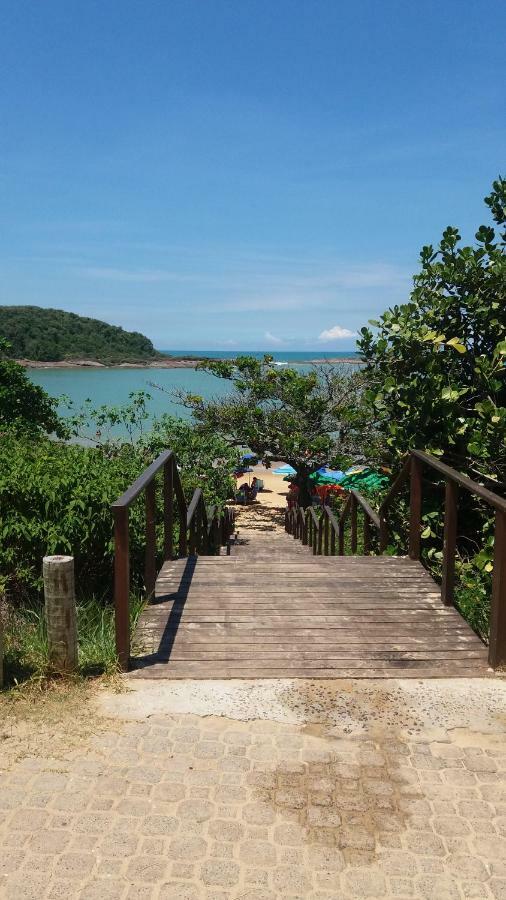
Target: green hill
x=52, y=335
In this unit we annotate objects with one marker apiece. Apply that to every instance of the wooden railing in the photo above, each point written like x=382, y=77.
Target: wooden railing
x=201, y=532
x=323, y=531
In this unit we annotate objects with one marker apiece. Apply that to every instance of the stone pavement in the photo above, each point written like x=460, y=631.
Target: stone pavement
x=358, y=790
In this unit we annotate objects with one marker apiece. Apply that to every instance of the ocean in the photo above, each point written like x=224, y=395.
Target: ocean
x=111, y=387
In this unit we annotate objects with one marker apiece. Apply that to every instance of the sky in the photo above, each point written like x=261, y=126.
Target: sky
x=250, y=174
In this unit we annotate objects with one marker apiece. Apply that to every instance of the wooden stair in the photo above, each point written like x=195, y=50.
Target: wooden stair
x=273, y=610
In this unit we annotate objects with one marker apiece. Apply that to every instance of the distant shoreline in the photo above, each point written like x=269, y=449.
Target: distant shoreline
x=168, y=363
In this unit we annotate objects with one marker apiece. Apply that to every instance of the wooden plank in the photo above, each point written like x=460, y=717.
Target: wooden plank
x=269, y=613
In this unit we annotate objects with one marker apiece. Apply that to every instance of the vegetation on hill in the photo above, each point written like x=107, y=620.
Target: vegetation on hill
x=53, y=335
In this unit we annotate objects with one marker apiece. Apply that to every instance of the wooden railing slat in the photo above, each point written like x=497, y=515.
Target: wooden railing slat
x=449, y=542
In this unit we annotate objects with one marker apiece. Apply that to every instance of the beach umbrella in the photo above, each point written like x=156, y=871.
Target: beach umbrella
x=284, y=470
x=327, y=476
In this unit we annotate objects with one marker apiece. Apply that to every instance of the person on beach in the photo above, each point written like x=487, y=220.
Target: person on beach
x=292, y=498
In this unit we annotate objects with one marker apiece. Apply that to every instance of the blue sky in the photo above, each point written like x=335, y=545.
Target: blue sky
x=250, y=174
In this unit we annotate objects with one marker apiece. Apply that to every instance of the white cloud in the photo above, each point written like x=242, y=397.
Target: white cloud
x=272, y=339
x=336, y=333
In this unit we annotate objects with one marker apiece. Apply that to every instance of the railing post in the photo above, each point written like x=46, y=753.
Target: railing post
x=319, y=546
x=415, y=508
x=353, y=508
x=216, y=534
x=449, y=542
x=332, y=541
x=305, y=530
x=325, y=532
x=497, y=643
x=150, y=539
x=122, y=585
x=383, y=532
x=192, y=543
x=367, y=534
x=168, y=509
x=183, y=539
x=340, y=539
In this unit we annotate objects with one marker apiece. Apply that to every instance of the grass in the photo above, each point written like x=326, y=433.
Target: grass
x=26, y=654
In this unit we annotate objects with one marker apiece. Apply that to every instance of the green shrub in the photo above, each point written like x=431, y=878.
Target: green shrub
x=26, y=647
x=55, y=498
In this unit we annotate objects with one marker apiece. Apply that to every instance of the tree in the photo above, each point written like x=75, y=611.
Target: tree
x=25, y=408
x=435, y=366
x=278, y=412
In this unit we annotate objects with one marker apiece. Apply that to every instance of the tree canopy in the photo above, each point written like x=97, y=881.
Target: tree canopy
x=282, y=413
x=435, y=365
x=54, y=335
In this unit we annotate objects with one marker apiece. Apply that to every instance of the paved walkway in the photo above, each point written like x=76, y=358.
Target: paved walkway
x=271, y=789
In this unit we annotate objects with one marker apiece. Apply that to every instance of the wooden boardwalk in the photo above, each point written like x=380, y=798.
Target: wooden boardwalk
x=272, y=610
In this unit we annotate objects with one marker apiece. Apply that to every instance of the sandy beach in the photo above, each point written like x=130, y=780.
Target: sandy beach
x=168, y=363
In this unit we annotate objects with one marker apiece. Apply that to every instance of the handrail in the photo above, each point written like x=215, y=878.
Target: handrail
x=196, y=534
x=472, y=486
x=396, y=485
x=142, y=481
x=413, y=466
x=194, y=502
x=369, y=511
x=322, y=532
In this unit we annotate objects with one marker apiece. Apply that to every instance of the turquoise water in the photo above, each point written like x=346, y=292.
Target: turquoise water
x=112, y=387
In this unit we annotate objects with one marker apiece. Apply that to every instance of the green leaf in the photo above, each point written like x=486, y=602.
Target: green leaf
x=456, y=344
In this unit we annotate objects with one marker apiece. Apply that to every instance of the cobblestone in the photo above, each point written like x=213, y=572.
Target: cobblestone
x=195, y=808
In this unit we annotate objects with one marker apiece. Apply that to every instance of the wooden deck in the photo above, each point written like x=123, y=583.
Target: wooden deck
x=276, y=611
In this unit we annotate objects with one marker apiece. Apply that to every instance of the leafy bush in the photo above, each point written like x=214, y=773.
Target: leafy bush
x=25, y=408
x=56, y=497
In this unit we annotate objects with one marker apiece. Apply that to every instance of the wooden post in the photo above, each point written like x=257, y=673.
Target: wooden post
x=315, y=536
x=367, y=534
x=122, y=585
x=60, y=607
x=216, y=535
x=320, y=535
x=449, y=543
x=383, y=533
x=305, y=530
x=168, y=509
x=326, y=535
x=497, y=644
x=150, y=539
x=415, y=508
x=340, y=539
x=192, y=543
x=332, y=541
x=353, y=508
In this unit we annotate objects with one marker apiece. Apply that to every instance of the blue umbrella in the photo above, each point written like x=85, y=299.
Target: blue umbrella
x=284, y=470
